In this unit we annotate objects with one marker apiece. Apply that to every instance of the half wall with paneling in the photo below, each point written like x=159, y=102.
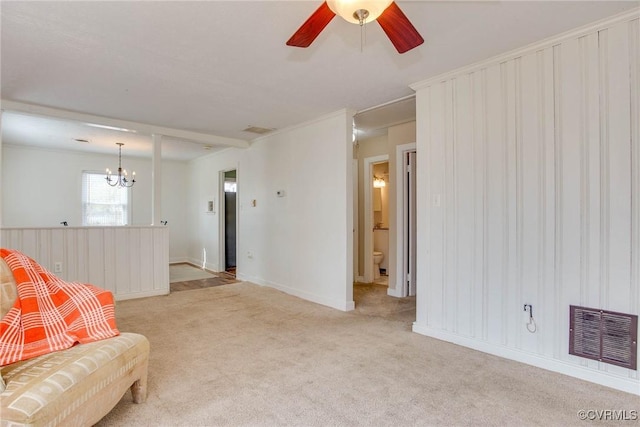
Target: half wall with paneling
x=131, y=262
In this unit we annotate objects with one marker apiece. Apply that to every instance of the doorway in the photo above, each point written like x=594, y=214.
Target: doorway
x=368, y=213
x=229, y=221
x=406, y=220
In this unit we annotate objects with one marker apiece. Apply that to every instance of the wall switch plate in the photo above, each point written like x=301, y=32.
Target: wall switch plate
x=280, y=193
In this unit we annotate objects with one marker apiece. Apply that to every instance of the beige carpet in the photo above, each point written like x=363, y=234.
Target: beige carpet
x=244, y=355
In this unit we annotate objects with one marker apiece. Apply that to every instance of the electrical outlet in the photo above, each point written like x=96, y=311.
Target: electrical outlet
x=57, y=267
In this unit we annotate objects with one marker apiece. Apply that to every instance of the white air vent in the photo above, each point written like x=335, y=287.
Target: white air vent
x=603, y=335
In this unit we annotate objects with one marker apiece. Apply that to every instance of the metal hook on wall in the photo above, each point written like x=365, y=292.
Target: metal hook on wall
x=531, y=325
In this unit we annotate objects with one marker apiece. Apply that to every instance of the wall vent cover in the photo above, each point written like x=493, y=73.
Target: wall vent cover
x=605, y=336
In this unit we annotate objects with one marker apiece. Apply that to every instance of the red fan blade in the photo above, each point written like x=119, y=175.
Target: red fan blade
x=400, y=31
x=313, y=26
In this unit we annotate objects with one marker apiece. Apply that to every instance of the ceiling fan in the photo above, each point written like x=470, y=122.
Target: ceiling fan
x=393, y=21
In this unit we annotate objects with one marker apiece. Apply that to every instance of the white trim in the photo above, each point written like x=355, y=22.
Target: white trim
x=367, y=186
x=539, y=45
x=337, y=304
x=400, y=285
x=354, y=203
x=386, y=104
x=628, y=385
x=339, y=113
x=40, y=110
x=222, y=262
x=84, y=227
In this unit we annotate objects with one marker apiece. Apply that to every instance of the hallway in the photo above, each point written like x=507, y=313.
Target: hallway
x=371, y=299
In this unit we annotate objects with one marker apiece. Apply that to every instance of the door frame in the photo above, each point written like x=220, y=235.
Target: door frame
x=356, y=246
x=402, y=234
x=367, y=187
x=221, y=218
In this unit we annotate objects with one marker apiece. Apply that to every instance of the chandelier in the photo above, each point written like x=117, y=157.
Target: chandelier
x=122, y=180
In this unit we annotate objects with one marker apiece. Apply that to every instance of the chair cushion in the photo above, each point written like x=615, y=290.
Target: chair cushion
x=76, y=386
x=8, y=295
x=8, y=290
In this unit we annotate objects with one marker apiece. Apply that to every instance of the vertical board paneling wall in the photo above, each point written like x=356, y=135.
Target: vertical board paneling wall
x=530, y=196
x=131, y=262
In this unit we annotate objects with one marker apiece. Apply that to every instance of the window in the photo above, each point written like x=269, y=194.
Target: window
x=230, y=187
x=103, y=204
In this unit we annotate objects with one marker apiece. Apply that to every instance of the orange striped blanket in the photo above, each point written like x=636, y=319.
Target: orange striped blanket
x=51, y=314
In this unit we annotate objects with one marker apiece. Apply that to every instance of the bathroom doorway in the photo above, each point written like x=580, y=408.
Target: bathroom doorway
x=380, y=205
x=229, y=220
x=376, y=218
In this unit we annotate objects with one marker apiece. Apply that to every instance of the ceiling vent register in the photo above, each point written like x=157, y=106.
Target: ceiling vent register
x=258, y=130
x=605, y=336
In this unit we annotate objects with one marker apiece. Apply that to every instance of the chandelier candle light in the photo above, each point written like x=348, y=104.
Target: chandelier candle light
x=122, y=180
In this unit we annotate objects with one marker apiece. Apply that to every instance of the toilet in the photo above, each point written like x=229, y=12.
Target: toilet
x=377, y=259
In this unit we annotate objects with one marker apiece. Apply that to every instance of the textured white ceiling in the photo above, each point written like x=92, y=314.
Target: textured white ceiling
x=218, y=67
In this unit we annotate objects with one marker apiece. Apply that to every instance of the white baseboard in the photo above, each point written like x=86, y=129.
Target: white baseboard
x=198, y=263
x=628, y=385
x=338, y=305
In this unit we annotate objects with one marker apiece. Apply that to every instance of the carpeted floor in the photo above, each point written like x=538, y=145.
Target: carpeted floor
x=245, y=355
x=372, y=300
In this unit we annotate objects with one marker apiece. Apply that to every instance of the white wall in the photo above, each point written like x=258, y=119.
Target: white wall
x=300, y=243
x=535, y=157
x=41, y=188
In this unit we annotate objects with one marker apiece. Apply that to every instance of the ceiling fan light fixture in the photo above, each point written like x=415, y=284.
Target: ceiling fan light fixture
x=356, y=10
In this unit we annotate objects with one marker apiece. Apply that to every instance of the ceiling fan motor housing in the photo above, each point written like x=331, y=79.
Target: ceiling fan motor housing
x=359, y=11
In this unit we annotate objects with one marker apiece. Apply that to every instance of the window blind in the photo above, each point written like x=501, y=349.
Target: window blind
x=103, y=204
